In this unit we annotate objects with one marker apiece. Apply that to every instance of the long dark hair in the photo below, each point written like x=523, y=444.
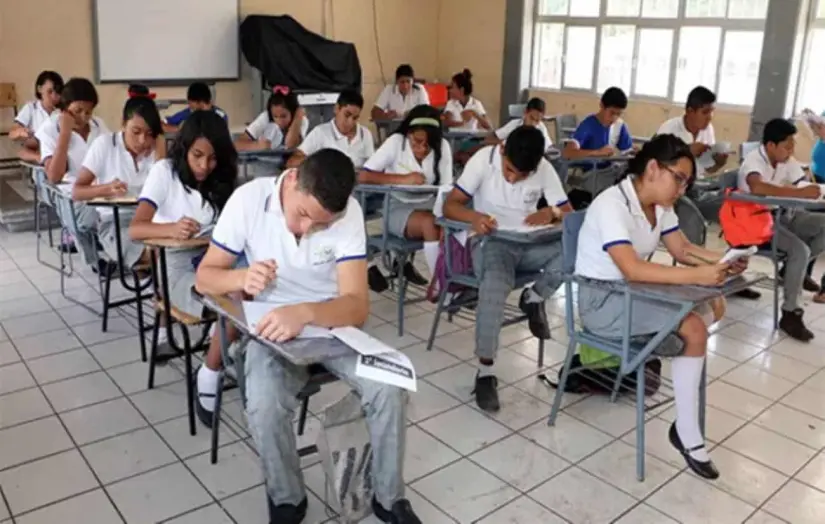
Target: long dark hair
x=464, y=81
x=666, y=150
x=428, y=119
x=284, y=97
x=48, y=76
x=77, y=90
x=220, y=183
x=146, y=109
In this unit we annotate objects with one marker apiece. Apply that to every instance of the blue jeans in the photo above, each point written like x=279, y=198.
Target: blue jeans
x=272, y=387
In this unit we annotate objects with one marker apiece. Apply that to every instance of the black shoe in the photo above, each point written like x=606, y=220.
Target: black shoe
x=536, y=316
x=791, y=323
x=748, y=294
x=486, y=393
x=376, y=280
x=703, y=469
x=204, y=415
x=287, y=513
x=68, y=248
x=413, y=276
x=401, y=512
x=810, y=284
x=104, y=268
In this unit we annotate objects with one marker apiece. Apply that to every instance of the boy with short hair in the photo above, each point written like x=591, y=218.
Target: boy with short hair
x=303, y=235
x=771, y=170
x=343, y=133
x=601, y=134
x=533, y=116
x=198, y=98
x=505, y=183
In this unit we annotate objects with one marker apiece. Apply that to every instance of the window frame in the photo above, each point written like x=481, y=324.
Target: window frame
x=639, y=22
x=812, y=23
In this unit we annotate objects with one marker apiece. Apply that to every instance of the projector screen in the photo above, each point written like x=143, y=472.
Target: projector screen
x=166, y=41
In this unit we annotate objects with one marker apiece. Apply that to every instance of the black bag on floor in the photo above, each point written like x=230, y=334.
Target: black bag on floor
x=601, y=380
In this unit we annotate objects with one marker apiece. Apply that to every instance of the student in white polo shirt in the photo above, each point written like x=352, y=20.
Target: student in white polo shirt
x=282, y=124
x=396, y=100
x=117, y=165
x=505, y=184
x=622, y=228
x=34, y=114
x=415, y=154
x=64, y=142
x=304, y=238
x=464, y=111
x=533, y=116
x=771, y=170
x=343, y=133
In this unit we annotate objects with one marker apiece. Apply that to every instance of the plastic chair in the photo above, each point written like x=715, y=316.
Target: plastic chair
x=516, y=110
x=631, y=352
x=565, y=126
x=745, y=148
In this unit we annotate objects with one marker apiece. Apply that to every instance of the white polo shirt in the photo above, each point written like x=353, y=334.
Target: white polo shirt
x=613, y=219
x=263, y=127
x=484, y=182
x=171, y=199
x=391, y=99
x=360, y=148
x=395, y=156
x=504, y=131
x=253, y=223
x=784, y=174
x=109, y=160
x=48, y=134
x=32, y=115
x=455, y=109
x=676, y=126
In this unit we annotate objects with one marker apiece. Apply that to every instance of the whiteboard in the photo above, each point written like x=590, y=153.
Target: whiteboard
x=166, y=41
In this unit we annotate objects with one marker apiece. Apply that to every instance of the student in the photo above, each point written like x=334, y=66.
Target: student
x=696, y=129
x=818, y=153
x=118, y=164
x=34, y=114
x=64, y=142
x=533, y=116
x=622, y=228
x=343, y=133
x=601, y=134
x=198, y=98
x=771, y=170
x=396, y=100
x=304, y=237
x=415, y=154
x=463, y=111
x=283, y=124
x=505, y=183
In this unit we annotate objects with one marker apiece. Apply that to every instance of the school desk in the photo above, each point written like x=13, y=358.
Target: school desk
x=271, y=155
x=385, y=127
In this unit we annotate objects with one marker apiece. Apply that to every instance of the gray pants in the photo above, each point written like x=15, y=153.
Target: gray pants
x=801, y=237
x=83, y=228
x=272, y=387
x=496, y=263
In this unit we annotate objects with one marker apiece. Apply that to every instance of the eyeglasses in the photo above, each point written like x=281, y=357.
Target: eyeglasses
x=682, y=179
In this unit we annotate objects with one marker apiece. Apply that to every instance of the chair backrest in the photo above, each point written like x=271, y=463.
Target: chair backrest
x=516, y=110
x=571, y=226
x=691, y=221
x=745, y=148
x=729, y=179
x=568, y=120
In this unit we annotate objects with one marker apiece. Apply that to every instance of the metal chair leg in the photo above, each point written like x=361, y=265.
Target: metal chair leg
x=568, y=359
x=442, y=297
x=153, y=351
x=640, y=423
x=302, y=416
x=190, y=382
x=216, y=416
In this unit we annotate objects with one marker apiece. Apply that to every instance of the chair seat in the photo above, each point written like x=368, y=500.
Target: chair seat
x=613, y=346
x=318, y=377
x=182, y=317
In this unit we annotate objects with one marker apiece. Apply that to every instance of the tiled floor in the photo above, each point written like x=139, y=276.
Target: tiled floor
x=82, y=440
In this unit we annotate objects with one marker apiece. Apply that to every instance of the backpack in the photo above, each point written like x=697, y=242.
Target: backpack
x=745, y=223
x=462, y=262
x=599, y=379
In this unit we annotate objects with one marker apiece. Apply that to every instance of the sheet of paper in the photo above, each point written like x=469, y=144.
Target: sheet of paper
x=523, y=228
x=254, y=311
x=735, y=254
x=392, y=368
x=361, y=342
x=205, y=231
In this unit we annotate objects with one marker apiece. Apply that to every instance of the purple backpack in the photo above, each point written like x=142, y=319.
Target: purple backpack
x=462, y=264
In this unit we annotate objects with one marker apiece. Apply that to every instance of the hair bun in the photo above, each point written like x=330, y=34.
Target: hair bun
x=467, y=74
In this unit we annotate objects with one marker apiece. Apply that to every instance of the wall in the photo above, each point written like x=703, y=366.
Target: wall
x=406, y=33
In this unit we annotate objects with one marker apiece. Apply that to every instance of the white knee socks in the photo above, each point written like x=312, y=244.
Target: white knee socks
x=431, y=255
x=208, y=384
x=687, y=373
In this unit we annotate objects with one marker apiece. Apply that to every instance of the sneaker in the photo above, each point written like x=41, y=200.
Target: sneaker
x=791, y=323
x=748, y=294
x=810, y=284
x=287, y=513
x=536, y=316
x=204, y=415
x=376, y=280
x=401, y=512
x=486, y=392
x=413, y=276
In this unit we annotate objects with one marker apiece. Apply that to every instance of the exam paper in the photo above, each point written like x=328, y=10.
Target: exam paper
x=736, y=254
x=392, y=368
x=254, y=311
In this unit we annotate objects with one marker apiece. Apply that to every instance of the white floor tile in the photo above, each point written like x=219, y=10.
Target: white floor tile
x=760, y=382
x=32, y=440
x=162, y=403
x=719, y=424
x=569, y=438
x=769, y=448
x=428, y=362
x=519, y=462
x=127, y=455
x=794, y=424
x=802, y=351
x=614, y=418
x=424, y=454
x=91, y=334
x=132, y=378
x=763, y=517
x=428, y=401
x=465, y=429
x=23, y=406
x=80, y=391
x=238, y=469
x=581, y=497
x=102, y=420
x=62, y=366
x=814, y=473
x=8, y=355
x=458, y=381
x=736, y=401
x=249, y=507
x=782, y=366
x=518, y=409
x=806, y=399
x=616, y=465
x=42, y=322
x=15, y=377
x=90, y=508
x=744, y=478
x=644, y=514
x=117, y=352
x=523, y=510
x=209, y=515
x=176, y=434
x=692, y=501
x=46, y=343
x=798, y=503
x=729, y=341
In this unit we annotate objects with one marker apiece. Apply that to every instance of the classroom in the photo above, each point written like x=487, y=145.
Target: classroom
x=441, y=262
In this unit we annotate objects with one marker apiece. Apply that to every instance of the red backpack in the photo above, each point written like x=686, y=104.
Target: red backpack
x=745, y=223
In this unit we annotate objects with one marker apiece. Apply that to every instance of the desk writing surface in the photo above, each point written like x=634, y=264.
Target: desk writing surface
x=114, y=201
x=262, y=153
x=521, y=237
x=696, y=294
x=396, y=188
x=174, y=243
x=795, y=203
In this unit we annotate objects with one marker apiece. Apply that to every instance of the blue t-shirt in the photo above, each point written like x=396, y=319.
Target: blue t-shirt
x=592, y=135
x=818, y=160
x=178, y=118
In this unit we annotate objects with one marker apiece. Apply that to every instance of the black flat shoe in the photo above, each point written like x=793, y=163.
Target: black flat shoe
x=703, y=469
x=376, y=280
x=536, y=316
x=748, y=294
x=401, y=512
x=286, y=513
x=413, y=276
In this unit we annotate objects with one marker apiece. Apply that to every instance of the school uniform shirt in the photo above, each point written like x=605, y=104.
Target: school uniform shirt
x=263, y=127
x=591, y=135
x=48, y=134
x=504, y=131
x=676, y=127
x=172, y=201
x=818, y=159
x=784, y=174
x=454, y=108
x=109, y=160
x=33, y=115
x=391, y=99
x=181, y=116
x=616, y=217
x=326, y=135
x=253, y=223
x=483, y=181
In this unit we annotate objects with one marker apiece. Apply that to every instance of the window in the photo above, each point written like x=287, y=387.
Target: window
x=655, y=48
x=812, y=77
